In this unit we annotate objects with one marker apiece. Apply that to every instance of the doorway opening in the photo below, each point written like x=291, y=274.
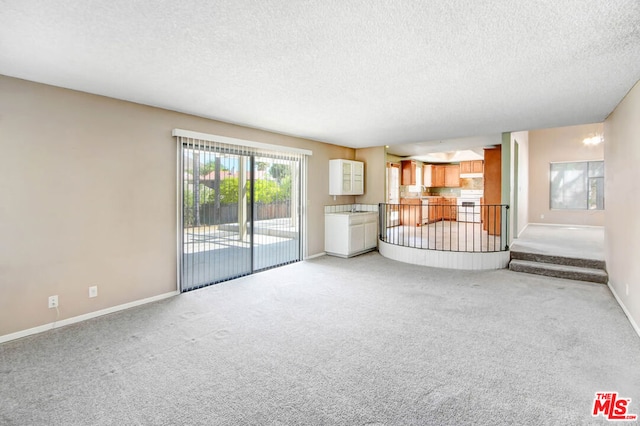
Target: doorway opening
x=393, y=193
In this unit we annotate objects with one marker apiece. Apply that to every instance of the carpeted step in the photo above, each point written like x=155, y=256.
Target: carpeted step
x=593, y=275
x=558, y=260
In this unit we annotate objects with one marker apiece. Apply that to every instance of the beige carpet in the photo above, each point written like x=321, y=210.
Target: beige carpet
x=357, y=341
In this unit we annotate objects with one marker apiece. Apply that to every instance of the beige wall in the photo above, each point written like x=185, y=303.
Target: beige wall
x=88, y=188
x=556, y=145
x=374, y=175
x=622, y=223
x=520, y=213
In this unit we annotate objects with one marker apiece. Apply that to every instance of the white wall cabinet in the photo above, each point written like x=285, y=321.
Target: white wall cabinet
x=346, y=177
x=349, y=234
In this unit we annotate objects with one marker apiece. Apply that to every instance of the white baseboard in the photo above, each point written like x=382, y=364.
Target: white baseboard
x=84, y=317
x=624, y=309
x=565, y=225
x=313, y=256
x=523, y=229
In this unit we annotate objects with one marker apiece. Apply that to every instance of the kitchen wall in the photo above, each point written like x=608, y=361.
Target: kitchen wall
x=555, y=145
x=88, y=188
x=375, y=178
x=622, y=223
x=390, y=158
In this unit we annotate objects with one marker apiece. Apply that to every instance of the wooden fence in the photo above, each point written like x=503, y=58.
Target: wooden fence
x=228, y=213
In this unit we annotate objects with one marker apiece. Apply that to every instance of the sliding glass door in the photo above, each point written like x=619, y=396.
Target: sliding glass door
x=240, y=212
x=275, y=208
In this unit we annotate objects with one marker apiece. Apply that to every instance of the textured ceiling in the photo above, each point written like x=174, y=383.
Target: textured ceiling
x=355, y=73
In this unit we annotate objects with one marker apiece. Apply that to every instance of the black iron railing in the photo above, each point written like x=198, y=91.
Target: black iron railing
x=446, y=227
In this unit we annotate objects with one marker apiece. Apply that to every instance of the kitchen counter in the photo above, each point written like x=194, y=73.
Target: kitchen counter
x=357, y=212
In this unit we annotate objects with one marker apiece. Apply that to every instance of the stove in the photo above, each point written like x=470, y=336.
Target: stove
x=469, y=205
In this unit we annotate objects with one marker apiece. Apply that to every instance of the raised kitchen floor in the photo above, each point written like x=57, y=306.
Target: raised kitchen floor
x=446, y=236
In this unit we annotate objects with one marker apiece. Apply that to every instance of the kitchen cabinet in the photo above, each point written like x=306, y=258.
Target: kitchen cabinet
x=437, y=180
x=435, y=209
x=492, y=190
x=349, y=234
x=449, y=209
x=475, y=166
x=442, y=208
x=346, y=177
x=452, y=176
x=420, y=211
x=410, y=211
x=443, y=176
x=409, y=172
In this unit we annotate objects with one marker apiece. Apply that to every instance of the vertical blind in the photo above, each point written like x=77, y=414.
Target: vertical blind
x=241, y=209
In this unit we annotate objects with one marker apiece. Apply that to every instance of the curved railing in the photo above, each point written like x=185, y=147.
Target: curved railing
x=480, y=228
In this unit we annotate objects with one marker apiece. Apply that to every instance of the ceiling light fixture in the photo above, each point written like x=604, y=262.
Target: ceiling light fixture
x=593, y=140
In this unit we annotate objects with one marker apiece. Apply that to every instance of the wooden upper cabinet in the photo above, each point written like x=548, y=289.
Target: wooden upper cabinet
x=443, y=175
x=452, y=176
x=437, y=178
x=475, y=166
x=408, y=172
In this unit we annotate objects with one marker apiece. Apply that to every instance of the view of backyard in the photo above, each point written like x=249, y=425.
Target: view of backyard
x=240, y=215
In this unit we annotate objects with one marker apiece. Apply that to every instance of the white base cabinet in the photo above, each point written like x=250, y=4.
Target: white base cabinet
x=349, y=234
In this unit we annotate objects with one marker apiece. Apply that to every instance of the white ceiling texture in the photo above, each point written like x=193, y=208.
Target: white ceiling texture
x=357, y=73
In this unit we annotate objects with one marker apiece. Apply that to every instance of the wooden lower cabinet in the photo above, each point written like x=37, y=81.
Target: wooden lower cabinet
x=410, y=211
x=450, y=209
x=435, y=210
x=447, y=209
x=415, y=212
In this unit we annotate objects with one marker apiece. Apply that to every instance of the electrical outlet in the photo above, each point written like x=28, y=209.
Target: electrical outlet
x=541, y=216
x=626, y=288
x=93, y=291
x=53, y=302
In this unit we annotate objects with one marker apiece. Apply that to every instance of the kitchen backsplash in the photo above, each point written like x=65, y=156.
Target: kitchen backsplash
x=471, y=183
x=448, y=192
x=337, y=208
x=408, y=191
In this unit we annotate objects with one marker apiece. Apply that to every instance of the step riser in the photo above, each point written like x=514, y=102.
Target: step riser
x=571, y=275
x=559, y=260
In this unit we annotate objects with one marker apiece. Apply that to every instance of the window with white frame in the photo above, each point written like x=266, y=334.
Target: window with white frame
x=577, y=185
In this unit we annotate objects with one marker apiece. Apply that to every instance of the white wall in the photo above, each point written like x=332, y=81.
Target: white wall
x=557, y=145
x=622, y=198
x=520, y=215
x=88, y=188
x=375, y=175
